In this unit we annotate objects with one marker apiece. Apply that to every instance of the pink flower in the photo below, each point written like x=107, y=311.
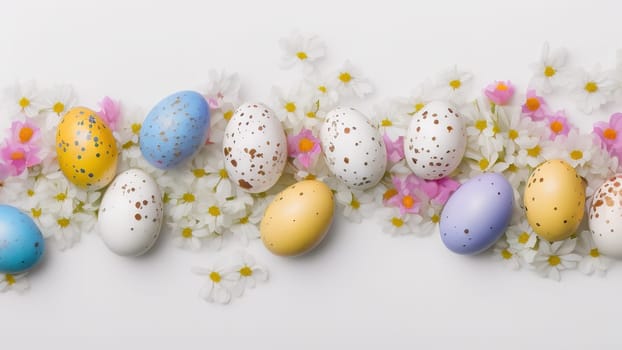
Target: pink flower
x=304, y=147
x=534, y=106
x=18, y=157
x=25, y=132
x=110, y=112
x=499, y=92
x=404, y=194
x=395, y=149
x=610, y=134
x=440, y=190
x=558, y=125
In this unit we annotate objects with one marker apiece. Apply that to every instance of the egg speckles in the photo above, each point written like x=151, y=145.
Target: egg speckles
x=174, y=129
x=554, y=200
x=86, y=149
x=255, y=148
x=435, y=141
x=354, y=149
x=604, y=217
x=130, y=214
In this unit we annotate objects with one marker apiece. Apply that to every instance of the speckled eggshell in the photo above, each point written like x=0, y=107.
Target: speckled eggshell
x=255, y=148
x=477, y=214
x=605, y=217
x=435, y=141
x=354, y=149
x=130, y=214
x=86, y=149
x=298, y=218
x=175, y=129
x=21, y=242
x=554, y=200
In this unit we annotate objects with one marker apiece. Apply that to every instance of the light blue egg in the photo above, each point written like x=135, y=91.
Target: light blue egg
x=175, y=129
x=21, y=242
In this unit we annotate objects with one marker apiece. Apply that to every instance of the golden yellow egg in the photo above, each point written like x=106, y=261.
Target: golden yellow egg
x=298, y=218
x=86, y=149
x=554, y=200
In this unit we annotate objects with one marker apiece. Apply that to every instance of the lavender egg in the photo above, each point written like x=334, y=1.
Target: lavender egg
x=477, y=214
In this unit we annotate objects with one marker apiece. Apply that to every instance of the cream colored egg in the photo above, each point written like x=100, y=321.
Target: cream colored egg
x=298, y=218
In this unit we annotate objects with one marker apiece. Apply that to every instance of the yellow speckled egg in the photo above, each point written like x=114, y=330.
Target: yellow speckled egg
x=298, y=218
x=86, y=149
x=554, y=200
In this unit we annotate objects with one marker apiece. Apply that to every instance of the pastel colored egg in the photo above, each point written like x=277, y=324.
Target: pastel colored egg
x=255, y=148
x=604, y=217
x=477, y=214
x=353, y=147
x=130, y=214
x=175, y=129
x=435, y=141
x=298, y=218
x=21, y=242
x=86, y=149
x=554, y=200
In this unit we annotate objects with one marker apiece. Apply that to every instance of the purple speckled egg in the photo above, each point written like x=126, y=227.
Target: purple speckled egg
x=477, y=214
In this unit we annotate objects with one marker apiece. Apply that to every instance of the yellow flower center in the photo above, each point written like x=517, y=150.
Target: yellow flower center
x=534, y=152
x=214, y=210
x=310, y=177
x=386, y=122
x=610, y=134
x=455, y=84
x=483, y=164
x=532, y=104
x=199, y=172
x=228, y=114
x=481, y=125
x=408, y=201
x=345, y=77
x=136, y=128
x=301, y=55
x=322, y=89
x=305, y=145
x=128, y=145
x=512, y=134
x=502, y=87
x=435, y=218
x=513, y=168
x=223, y=173
x=215, y=277
x=418, y=106
x=61, y=196
x=186, y=232
x=554, y=260
x=355, y=203
x=388, y=194
x=310, y=114
x=24, y=102
x=523, y=237
x=397, y=222
x=506, y=254
x=36, y=212
x=549, y=71
x=63, y=222
x=594, y=253
x=246, y=271
x=166, y=198
x=18, y=155
x=591, y=87
x=290, y=107
x=244, y=220
x=30, y=192
x=188, y=197
x=25, y=134
x=576, y=154
x=556, y=126
x=58, y=107
x=9, y=279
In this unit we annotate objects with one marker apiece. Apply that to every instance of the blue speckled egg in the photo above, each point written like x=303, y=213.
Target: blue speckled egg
x=175, y=129
x=477, y=214
x=21, y=242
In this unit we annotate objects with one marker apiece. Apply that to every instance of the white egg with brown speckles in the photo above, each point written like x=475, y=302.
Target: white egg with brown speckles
x=604, y=219
x=435, y=141
x=353, y=147
x=255, y=148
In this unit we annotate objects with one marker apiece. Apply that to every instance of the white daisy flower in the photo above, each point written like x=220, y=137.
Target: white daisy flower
x=555, y=257
x=507, y=254
x=548, y=73
x=356, y=204
x=302, y=50
x=18, y=282
x=290, y=108
x=222, y=89
x=396, y=224
x=592, y=260
x=574, y=148
x=322, y=91
x=59, y=100
x=23, y=98
x=391, y=119
x=592, y=89
x=522, y=240
x=218, y=214
x=66, y=229
x=246, y=228
x=215, y=178
x=351, y=82
x=188, y=233
x=248, y=274
x=216, y=287
x=533, y=155
x=430, y=217
x=418, y=98
x=453, y=85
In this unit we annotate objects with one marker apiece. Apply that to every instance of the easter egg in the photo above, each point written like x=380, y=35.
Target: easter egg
x=21, y=242
x=477, y=214
x=130, y=214
x=353, y=147
x=255, y=148
x=174, y=129
x=554, y=200
x=298, y=218
x=604, y=217
x=86, y=149
x=435, y=141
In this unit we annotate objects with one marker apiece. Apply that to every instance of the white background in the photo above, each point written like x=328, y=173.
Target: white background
x=361, y=288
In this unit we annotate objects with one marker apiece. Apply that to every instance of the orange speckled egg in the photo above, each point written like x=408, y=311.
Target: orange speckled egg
x=86, y=149
x=554, y=200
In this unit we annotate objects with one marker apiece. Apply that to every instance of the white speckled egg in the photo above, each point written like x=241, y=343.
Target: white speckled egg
x=435, y=141
x=354, y=149
x=255, y=148
x=604, y=219
x=130, y=214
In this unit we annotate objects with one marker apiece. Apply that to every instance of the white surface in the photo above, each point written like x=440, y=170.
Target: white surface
x=361, y=287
